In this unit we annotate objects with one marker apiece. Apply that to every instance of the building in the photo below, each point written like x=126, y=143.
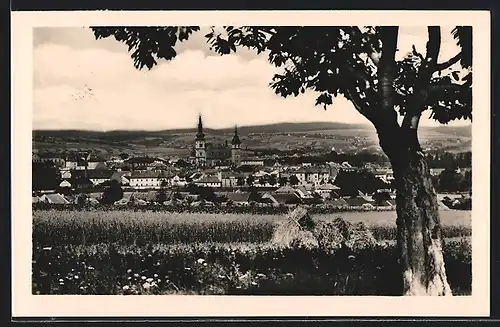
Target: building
x=251, y=162
x=146, y=163
x=147, y=179
x=327, y=191
x=282, y=198
x=51, y=158
x=285, y=190
x=312, y=175
x=211, y=154
x=231, y=179
x=241, y=198
x=208, y=181
x=385, y=175
x=55, y=198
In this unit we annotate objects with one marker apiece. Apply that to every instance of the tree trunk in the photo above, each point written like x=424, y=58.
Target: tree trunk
x=419, y=231
x=419, y=236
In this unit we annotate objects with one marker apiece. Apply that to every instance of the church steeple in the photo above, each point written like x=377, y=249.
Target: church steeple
x=200, y=135
x=236, y=138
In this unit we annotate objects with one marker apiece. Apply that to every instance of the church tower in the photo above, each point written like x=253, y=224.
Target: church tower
x=200, y=149
x=235, y=148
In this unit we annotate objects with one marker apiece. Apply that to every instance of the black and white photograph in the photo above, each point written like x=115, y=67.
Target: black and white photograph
x=254, y=160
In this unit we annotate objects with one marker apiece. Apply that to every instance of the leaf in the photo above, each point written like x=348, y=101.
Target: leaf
x=325, y=99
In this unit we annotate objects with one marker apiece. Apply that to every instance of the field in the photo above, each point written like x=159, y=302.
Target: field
x=129, y=252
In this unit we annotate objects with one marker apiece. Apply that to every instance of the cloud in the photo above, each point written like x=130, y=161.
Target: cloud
x=93, y=85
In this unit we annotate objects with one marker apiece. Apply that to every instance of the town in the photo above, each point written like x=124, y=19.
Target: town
x=224, y=174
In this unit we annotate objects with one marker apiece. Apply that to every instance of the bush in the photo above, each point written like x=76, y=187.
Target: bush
x=231, y=269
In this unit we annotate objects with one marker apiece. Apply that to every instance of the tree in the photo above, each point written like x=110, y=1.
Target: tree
x=272, y=179
x=352, y=182
x=124, y=156
x=283, y=180
x=250, y=180
x=181, y=163
x=240, y=181
x=45, y=176
x=161, y=194
x=82, y=199
x=112, y=193
x=381, y=197
x=359, y=64
x=293, y=180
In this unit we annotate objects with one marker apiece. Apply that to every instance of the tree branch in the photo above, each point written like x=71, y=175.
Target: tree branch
x=449, y=63
x=360, y=105
x=386, y=70
x=433, y=46
x=416, y=53
x=451, y=86
x=411, y=120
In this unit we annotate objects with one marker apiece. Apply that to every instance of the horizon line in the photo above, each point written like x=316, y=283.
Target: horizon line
x=221, y=128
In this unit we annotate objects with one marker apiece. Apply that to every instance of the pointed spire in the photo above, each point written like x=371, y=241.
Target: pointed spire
x=236, y=138
x=199, y=134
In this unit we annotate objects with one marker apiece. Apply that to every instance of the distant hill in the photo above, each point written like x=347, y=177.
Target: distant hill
x=266, y=128
x=462, y=131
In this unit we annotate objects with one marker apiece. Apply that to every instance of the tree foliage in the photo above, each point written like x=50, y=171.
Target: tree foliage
x=112, y=193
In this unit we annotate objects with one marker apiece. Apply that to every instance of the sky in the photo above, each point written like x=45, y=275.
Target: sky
x=83, y=83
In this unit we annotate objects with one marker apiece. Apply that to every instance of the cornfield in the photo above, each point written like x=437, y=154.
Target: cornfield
x=135, y=228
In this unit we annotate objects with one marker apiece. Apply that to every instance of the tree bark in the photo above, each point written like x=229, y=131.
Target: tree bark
x=419, y=231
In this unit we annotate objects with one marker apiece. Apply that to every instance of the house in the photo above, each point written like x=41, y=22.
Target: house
x=303, y=193
x=356, y=201
x=312, y=175
x=99, y=176
x=385, y=175
x=346, y=166
x=147, y=179
x=337, y=203
x=55, y=198
x=391, y=203
x=239, y=198
x=80, y=183
x=230, y=179
x=145, y=163
x=285, y=190
x=121, y=177
x=178, y=181
x=251, y=162
x=327, y=190
x=52, y=158
x=65, y=183
x=208, y=181
x=65, y=173
x=282, y=199
x=91, y=165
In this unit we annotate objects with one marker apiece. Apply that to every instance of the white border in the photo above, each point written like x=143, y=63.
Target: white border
x=25, y=304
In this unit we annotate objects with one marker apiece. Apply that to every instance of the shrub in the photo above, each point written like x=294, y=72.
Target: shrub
x=231, y=269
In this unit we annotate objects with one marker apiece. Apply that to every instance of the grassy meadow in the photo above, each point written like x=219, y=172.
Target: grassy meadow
x=142, y=252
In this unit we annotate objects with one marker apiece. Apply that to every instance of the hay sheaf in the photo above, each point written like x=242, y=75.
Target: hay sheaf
x=299, y=229
x=295, y=231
